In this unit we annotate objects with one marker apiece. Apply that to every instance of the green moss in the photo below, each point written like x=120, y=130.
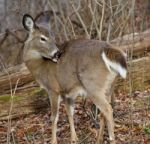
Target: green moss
x=39, y=92
x=147, y=130
x=7, y=98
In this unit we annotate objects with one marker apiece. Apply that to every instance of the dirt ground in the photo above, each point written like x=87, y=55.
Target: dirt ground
x=131, y=114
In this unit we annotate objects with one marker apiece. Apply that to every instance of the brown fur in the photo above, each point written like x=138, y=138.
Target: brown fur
x=79, y=71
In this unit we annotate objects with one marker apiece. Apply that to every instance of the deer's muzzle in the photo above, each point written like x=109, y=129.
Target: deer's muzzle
x=56, y=56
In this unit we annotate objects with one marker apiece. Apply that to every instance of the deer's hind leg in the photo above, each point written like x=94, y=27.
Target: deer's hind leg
x=101, y=102
x=99, y=98
x=102, y=118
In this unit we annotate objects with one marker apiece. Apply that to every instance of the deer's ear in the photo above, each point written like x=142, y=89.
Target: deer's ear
x=28, y=22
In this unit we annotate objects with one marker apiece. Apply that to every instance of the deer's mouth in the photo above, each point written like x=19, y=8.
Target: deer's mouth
x=53, y=58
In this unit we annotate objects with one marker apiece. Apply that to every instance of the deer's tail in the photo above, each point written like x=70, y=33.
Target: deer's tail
x=115, y=60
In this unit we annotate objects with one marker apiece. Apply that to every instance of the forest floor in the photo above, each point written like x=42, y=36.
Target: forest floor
x=131, y=114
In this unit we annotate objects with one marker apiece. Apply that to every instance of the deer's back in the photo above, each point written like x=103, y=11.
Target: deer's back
x=82, y=63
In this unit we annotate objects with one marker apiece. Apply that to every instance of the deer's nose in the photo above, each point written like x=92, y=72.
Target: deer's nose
x=57, y=55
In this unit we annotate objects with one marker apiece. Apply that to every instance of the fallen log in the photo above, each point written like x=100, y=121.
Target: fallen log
x=10, y=76
x=23, y=103
x=138, y=77
x=137, y=44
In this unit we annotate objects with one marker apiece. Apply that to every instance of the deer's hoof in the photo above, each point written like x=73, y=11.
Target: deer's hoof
x=99, y=141
x=113, y=142
x=74, y=140
x=55, y=142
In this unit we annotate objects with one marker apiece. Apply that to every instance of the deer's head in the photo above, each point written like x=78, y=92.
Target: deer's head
x=40, y=42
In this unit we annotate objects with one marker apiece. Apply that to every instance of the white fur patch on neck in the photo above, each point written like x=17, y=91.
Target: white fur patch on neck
x=116, y=66
x=32, y=54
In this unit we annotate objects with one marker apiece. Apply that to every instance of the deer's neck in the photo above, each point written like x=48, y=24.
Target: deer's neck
x=34, y=65
x=44, y=72
x=37, y=64
x=31, y=54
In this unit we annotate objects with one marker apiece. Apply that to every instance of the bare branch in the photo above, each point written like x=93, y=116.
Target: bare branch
x=80, y=19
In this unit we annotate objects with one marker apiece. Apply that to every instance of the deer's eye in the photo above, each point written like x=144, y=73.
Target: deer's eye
x=43, y=39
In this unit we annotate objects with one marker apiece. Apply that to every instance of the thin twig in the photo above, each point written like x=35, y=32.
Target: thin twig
x=10, y=111
x=94, y=19
x=11, y=92
x=55, y=20
x=102, y=19
x=85, y=138
x=63, y=21
x=130, y=69
x=80, y=19
x=72, y=28
x=110, y=22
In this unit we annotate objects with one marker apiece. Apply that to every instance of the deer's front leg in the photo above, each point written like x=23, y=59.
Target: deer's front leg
x=70, y=112
x=101, y=131
x=55, y=101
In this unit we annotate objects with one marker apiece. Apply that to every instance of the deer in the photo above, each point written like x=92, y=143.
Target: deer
x=81, y=67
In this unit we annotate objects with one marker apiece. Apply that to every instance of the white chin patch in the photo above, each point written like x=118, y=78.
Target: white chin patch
x=55, y=60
